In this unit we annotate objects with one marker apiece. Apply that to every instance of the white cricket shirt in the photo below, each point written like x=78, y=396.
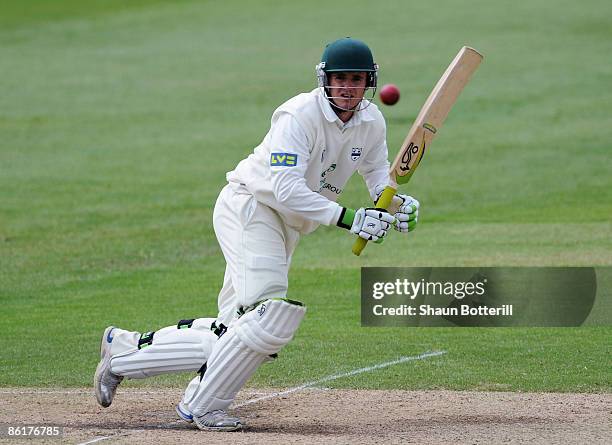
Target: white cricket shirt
x=307, y=157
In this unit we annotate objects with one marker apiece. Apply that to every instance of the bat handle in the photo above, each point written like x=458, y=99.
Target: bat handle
x=383, y=203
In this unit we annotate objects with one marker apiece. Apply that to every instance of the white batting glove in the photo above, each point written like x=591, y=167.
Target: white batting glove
x=407, y=214
x=404, y=208
x=372, y=224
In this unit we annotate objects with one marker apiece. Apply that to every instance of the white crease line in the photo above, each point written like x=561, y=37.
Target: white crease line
x=112, y=436
x=310, y=385
x=97, y=439
x=339, y=376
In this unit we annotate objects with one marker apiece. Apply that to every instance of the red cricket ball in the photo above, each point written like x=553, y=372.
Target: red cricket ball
x=389, y=94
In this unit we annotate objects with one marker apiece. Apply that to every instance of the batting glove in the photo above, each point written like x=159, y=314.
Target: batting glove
x=404, y=208
x=407, y=214
x=371, y=224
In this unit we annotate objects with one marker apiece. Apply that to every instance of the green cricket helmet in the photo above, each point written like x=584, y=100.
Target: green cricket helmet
x=345, y=55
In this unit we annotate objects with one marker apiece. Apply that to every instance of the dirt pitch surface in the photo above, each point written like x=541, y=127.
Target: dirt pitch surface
x=320, y=416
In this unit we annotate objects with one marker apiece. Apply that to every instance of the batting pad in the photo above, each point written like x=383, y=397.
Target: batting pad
x=239, y=352
x=172, y=350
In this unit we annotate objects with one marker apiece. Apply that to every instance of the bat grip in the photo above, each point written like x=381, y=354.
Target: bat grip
x=383, y=203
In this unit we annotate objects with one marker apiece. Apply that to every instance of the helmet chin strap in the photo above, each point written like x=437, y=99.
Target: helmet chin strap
x=357, y=107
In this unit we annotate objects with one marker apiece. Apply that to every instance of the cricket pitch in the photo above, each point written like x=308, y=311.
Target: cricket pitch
x=319, y=415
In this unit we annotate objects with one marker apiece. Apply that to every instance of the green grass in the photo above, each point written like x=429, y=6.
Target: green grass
x=118, y=121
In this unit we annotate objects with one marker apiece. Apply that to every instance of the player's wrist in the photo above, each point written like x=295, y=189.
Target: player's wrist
x=346, y=219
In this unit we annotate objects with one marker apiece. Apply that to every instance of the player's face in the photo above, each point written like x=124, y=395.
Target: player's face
x=347, y=88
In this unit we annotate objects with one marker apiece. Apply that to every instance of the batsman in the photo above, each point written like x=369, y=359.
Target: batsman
x=287, y=187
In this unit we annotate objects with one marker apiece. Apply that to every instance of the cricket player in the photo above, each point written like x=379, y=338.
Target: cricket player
x=287, y=187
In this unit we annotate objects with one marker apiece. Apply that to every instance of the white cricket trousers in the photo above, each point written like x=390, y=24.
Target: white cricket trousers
x=257, y=246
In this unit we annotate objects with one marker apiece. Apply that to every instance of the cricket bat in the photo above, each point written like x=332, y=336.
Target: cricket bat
x=426, y=126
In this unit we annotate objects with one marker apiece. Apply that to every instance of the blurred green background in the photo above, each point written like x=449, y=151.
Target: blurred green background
x=119, y=119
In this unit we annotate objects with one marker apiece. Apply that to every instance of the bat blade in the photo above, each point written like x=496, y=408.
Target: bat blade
x=433, y=113
x=427, y=124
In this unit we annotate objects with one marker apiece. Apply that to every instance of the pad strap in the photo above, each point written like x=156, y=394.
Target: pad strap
x=146, y=339
x=185, y=324
x=262, y=302
x=218, y=330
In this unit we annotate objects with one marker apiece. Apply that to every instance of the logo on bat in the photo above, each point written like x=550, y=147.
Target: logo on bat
x=411, y=150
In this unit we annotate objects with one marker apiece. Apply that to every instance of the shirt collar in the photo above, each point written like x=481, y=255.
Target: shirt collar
x=358, y=117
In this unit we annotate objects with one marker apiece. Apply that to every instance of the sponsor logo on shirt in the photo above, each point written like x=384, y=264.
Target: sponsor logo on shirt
x=328, y=186
x=283, y=159
x=329, y=170
x=355, y=153
x=323, y=185
x=324, y=174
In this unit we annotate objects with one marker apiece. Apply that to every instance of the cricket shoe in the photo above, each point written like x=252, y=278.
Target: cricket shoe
x=183, y=412
x=105, y=382
x=217, y=420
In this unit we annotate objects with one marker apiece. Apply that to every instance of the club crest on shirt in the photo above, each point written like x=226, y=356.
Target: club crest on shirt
x=355, y=153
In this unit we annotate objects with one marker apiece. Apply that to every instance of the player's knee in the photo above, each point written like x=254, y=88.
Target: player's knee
x=270, y=325
x=272, y=289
